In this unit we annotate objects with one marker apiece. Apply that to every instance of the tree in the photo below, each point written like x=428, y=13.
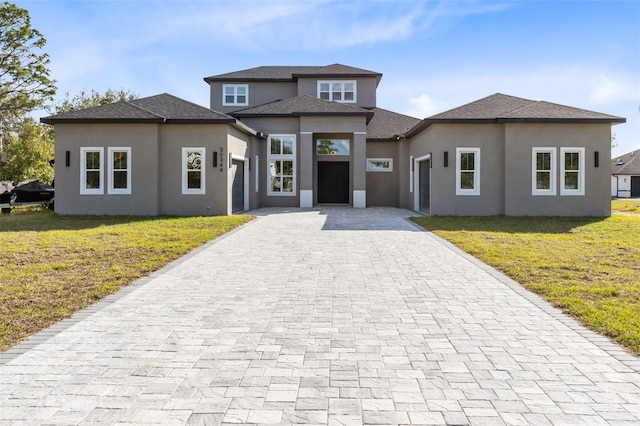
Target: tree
x=24, y=74
x=85, y=100
x=28, y=150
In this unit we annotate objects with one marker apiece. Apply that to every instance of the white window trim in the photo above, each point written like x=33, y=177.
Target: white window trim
x=370, y=168
x=342, y=83
x=552, y=179
x=285, y=157
x=235, y=95
x=581, y=172
x=476, y=172
x=185, y=180
x=83, y=171
x=110, y=170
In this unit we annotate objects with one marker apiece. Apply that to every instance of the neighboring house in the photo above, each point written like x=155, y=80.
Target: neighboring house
x=290, y=136
x=625, y=175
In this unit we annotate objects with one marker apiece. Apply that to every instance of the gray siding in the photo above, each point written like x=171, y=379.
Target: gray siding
x=365, y=89
x=383, y=187
x=259, y=93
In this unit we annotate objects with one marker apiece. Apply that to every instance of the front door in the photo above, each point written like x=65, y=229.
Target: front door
x=425, y=186
x=635, y=186
x=237, y=187
x=333, y=182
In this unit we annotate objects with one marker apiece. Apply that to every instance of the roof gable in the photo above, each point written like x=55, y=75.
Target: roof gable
x=163, y=108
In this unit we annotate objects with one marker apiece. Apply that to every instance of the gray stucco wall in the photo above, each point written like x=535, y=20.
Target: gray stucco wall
x=143, y=141
x=437, y=139
x=383, y=187
x=259, y=93
x=521, y=138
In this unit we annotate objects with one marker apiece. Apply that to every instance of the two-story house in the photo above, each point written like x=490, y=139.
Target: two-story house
x=302, y=136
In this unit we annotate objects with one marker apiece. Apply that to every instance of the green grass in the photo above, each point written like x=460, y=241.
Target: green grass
x=53, y=266
x=588, y=267
x=626, y=205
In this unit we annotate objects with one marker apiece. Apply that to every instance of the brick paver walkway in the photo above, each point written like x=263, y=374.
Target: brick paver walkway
x=332, y=316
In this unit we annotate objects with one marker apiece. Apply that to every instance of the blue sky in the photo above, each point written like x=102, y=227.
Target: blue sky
x=434, y=55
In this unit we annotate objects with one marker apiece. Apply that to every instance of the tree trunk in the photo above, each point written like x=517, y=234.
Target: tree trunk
x=1, y=139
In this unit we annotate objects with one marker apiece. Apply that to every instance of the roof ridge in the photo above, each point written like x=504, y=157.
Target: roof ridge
x=145, y=109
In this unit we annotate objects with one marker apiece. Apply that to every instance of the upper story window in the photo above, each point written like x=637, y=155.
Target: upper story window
x=338, y=91
x=235, y=94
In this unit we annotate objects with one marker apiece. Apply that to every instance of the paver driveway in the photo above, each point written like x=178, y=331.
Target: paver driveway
x=331, y=316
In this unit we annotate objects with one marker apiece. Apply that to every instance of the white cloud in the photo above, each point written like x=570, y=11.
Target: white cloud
x=424, y=106
x=608, y=89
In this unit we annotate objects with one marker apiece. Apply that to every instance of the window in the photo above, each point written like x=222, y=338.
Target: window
x=119, y=169
x=338, y=91
x=467, y=171
x=235, y=94
x=571, y=171
x=379, y=164
x=91, y=171
x=543, y=178
x=333, y=147
x=193, y=171
x=281, y=158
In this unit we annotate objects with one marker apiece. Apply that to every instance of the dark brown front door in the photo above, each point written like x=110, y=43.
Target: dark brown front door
x=425, y=186
x=333, y=182
x=237, y=187
x=635, y=186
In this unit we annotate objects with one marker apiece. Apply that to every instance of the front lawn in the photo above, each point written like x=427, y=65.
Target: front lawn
x=588, y=267
x=52, y=266
x=626, y=205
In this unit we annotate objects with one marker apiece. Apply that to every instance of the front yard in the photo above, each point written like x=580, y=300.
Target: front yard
x=588, y=267
x=52, y=266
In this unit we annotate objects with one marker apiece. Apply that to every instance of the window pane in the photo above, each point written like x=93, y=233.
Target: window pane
x=93, y=180
x=287, y=184
x=93, y=160
x=193, y=179
x=324, y=87
x=324, y=95
x=571, y=180
x=194, y=160
x=337, y=96
x=543, y=180
x=467, y=161
x=241, y=90
x=242, y=99
x=287, y=146
x=229, y=90
x=275, y=184
x=466, y=180
x=120, y=160
x=120, y=180
x=348, y=96
x=543, y=161
x=348, y=87
x=332, y=147
x=228, y=99
x=275, y=146
x=571, y=160
x=287, y=168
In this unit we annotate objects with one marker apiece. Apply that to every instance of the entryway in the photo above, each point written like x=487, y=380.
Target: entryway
x=635, y=186
x=333, y=182
x=422, y=184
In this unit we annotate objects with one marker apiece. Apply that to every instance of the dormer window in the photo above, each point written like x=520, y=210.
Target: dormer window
x=235, y=94
x=337, y=91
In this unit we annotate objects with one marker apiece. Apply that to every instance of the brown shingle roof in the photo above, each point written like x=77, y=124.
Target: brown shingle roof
x=163, y=108
x=500, y=108
x=386, y=125
x=291, y=73
x=627, y=164
x=302, y=105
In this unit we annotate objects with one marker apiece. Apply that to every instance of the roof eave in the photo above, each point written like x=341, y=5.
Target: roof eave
x=246, y=79
x=53, y=120
x=612, y=120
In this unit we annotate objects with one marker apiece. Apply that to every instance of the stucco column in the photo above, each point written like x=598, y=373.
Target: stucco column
x=306, y=169
x=359, y=170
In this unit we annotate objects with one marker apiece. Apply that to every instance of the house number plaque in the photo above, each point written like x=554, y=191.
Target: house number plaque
x=221, y=158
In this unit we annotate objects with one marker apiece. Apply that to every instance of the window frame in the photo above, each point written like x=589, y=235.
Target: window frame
x=553, y=172
x=476, y=171
x=110, y=170
x=370, y=168
x=581, y=171
x=235, y=95
x=83, y=171
x=336, y=153
x=342, y=90
x=281, y=157
x=185, y=177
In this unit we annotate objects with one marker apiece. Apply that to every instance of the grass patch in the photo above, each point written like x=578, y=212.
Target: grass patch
x=53, y=266
x=589, y=268
x=626, y=205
